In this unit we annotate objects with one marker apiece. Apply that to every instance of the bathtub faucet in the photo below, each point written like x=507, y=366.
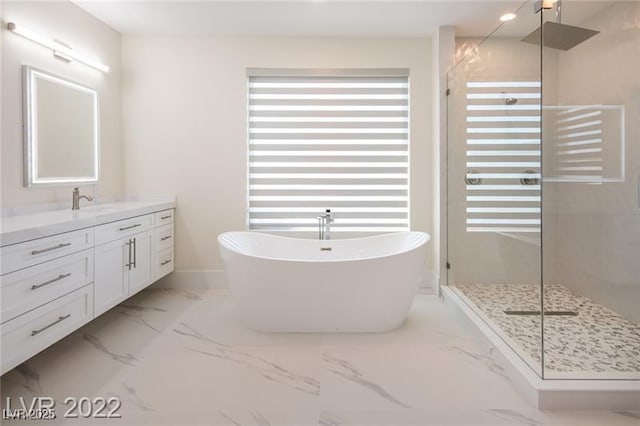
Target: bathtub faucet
x=324, y=225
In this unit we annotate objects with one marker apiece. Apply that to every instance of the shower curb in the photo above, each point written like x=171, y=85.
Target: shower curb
x=550, y=394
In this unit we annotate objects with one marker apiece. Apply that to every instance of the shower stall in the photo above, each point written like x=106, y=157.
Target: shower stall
x=543, y=186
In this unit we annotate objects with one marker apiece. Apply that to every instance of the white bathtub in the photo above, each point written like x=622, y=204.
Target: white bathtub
x=285, y=284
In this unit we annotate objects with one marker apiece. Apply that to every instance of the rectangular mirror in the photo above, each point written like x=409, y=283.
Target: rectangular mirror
x=61, y=130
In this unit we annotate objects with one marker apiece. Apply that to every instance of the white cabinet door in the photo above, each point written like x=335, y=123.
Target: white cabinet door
x=110, y=280
x=122, y=268
x=141, y=273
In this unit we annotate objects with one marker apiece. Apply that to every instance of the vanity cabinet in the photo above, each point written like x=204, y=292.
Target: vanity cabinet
x=53, y=285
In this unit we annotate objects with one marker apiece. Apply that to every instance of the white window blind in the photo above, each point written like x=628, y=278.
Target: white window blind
x=339, y=142
x=503, y=147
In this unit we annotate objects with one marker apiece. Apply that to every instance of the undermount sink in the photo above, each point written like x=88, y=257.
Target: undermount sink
x=101, y=209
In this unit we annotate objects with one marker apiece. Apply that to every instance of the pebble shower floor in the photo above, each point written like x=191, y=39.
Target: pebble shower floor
x=597, y=343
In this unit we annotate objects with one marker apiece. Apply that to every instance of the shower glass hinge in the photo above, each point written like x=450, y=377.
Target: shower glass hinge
x=448, y=265
x=543, y=4
x=448, y=92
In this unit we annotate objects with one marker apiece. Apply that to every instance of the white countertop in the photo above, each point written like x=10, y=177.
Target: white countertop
x=19, y=228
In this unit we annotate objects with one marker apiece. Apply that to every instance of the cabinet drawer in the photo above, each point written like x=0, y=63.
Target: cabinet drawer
x=164, y=217
x=164, y=263
x=24, y=290
x=163, y=237
x=28, y=334
x=19, y=256
x=123, y=228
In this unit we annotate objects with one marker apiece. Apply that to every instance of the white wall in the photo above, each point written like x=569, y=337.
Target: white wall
x=86, y=34
x=185, y=122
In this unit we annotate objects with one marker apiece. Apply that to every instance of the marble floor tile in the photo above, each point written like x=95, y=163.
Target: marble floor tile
x=423, y=325
x=222, y=324
x=375, y=378
x=435, y=417
x=176, y=357
x=477, y=417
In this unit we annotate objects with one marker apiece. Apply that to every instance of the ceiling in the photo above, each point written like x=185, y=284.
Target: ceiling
x=383, y=18
x=358, y=18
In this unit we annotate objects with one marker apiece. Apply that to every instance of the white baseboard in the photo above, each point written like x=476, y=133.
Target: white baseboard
x=429, y=281
x=194, y=279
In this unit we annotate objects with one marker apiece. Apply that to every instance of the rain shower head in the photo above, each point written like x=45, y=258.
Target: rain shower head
x=560, y=36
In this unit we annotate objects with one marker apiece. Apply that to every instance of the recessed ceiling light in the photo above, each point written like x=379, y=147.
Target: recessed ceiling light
x=508, y=17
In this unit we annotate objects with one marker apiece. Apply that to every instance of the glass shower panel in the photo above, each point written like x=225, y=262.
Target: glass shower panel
x=591, y=194
x=494, y=175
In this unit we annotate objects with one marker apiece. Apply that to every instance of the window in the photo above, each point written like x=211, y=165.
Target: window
x=503, y=156
x=337, y=140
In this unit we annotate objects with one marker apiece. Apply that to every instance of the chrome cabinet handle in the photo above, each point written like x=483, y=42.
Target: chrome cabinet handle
x=134, y=253
x=130, y=264
x=165, y=217
x=165, y=238
x=59, y=320
x=131, y=227
x=58, y=278
x=59, y=246
x=165, y=262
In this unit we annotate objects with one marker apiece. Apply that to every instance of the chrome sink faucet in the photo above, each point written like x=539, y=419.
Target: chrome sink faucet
x=77, y=197
x=324, y=225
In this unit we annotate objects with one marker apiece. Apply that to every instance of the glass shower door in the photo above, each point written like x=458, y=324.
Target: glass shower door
x=494, y=182
x=591, y=220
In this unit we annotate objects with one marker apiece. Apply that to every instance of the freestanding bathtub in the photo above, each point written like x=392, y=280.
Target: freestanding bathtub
x=283, y=284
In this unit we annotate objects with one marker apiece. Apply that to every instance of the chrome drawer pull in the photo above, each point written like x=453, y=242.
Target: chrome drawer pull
x=165, y=217
x=165, y=238
x=60, y=319
x=165, y=262
x=60, y=277
x=131, y=227
x=59, y=246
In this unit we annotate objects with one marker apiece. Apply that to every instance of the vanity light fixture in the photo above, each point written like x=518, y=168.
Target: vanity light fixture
x=508, y=17
x=59, y=50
